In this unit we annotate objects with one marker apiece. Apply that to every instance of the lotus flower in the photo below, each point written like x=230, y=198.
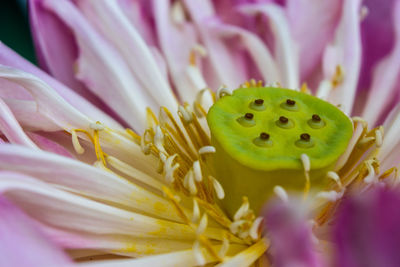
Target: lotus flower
x=101, y=176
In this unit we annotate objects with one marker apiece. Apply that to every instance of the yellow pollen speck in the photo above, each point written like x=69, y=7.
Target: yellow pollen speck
x=160, y=231
x=160, y=207
x=192, y=58
x=150, y=249
x=338, y=76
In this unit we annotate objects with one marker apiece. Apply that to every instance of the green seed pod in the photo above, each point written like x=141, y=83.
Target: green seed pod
x=256, y=152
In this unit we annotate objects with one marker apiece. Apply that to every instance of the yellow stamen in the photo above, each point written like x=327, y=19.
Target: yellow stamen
x=305, y=160
x=388, y=172
x=97, y=148
x=338, y=77
x=75, y=142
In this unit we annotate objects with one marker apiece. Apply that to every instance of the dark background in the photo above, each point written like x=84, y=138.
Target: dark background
x=14, y=28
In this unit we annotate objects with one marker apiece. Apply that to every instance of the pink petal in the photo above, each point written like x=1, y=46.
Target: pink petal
x=28, y=117
x=49, y=145
x=378, y=37
x=141, y=16
x=55, y=47
x=176, y=42
x=225, y=64
x=49, y=103
x=367, y=230
x=258, y=51
x=103, y=69
x=21, y=244
x=10, y=58
x=345, y=51
x=291, y=237
x=385, y=80
x=139, y=13
x=108, y=16
x=312, y=23
x=11, y=128
x=10, y=90
x=285, y=53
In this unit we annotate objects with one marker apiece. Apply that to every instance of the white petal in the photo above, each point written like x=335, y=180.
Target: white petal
x=185, y=258
x=248, y=256
x=176, y=42
x=286, y=52
x=224, y=66
x=27, y=114
x=11, y=129
x=345, y=51
x=49, y=103
x=258, y=51
x=108, y=16
x=64, y=210
x=114, y=244
x=84, y=179
x=389, y=154
x=103, y=69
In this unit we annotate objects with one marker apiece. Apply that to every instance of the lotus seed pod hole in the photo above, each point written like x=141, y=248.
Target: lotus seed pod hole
x=260, y=133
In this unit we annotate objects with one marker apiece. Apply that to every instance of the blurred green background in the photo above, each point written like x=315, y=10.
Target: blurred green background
x=14, y=28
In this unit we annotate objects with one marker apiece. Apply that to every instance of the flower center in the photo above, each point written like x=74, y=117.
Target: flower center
x=262, y=135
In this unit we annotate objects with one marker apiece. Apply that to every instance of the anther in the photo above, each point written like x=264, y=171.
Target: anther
x=290, y=105
x=259, y=102
x=247, y=120
x=263, y=140
x=249, y=116
x=316, y=118
x=305, y=141
x=290, y=102
x=305, y=137
x=264, y=136
x=316, y=122
x=284, y=123
x=283, y=119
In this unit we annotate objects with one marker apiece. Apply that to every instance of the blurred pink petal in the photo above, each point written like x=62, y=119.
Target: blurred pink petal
x=367, y=230
x=378, y=37
x=21, y=244
x=312, y=24
x=385, y=83
x=291, y=238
